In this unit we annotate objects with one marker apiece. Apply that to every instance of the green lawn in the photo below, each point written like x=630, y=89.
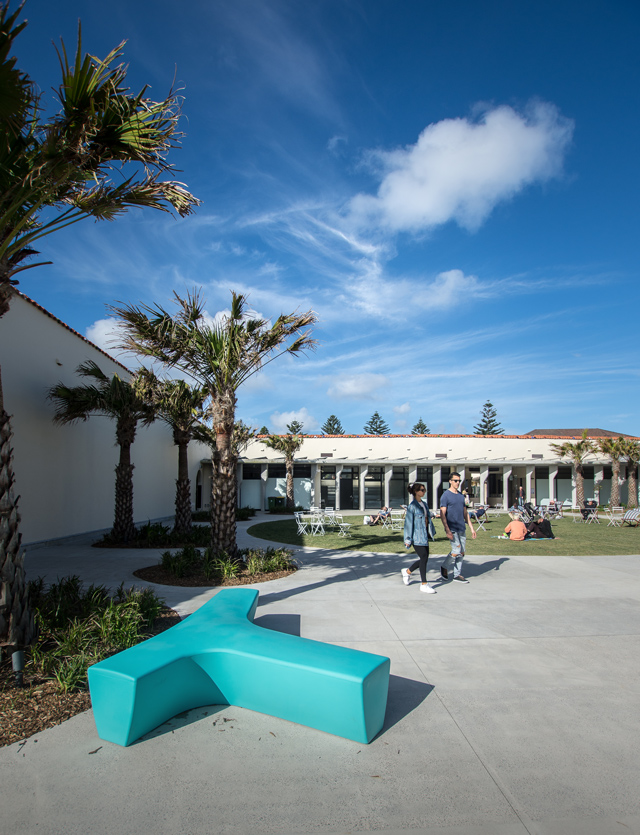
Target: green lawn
x=573, y=538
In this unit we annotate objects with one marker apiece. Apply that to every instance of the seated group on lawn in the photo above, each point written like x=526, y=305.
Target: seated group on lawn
x=518, y=531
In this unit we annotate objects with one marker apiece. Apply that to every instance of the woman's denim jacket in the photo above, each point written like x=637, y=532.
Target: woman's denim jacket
x=415, y=524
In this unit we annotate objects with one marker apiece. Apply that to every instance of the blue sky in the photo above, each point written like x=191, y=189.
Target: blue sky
x=452, y=187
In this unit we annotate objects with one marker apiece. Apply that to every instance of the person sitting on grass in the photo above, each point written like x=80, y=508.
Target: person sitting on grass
x=540, y=529
x=516, y=528
x=382, y=514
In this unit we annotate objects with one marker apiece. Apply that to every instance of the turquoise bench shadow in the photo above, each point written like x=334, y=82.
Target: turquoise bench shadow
x=219, y=656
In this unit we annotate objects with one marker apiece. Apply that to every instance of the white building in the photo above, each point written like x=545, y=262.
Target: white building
x=365, y=472
x=65, y=475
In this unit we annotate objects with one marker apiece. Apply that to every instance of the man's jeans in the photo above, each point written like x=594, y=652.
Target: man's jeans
x=458, y=544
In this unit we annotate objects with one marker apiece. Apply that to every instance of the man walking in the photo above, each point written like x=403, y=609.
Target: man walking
x=454, y=516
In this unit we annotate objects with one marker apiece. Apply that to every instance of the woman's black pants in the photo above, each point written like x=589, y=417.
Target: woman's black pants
x=423, y=553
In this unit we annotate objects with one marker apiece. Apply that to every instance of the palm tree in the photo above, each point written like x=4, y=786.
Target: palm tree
x=70, y=162
x=240, y=438
x=632, y=454
x=288, y=445
x=614, y=449
x=113, y=398
x=220, y=357
x=576, y=452
x=179, y=405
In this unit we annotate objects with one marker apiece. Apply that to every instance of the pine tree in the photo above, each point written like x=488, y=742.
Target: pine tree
x=263, y=431
x=420, y=428
x=376, y=426
x=295, y=427
x=489, y=424
x=332, y=426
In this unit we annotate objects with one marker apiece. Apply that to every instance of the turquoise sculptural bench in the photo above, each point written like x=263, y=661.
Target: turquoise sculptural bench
x=219, y=656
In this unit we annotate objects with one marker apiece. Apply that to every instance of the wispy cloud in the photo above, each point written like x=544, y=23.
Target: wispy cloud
x=357, y=386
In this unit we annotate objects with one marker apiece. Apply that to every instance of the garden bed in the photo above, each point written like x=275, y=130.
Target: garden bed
x=41, y=704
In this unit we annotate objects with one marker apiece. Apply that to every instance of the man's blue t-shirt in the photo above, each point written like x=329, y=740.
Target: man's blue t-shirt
x=454, y=502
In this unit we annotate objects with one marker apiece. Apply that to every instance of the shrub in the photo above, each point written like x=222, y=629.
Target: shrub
x=80, y=627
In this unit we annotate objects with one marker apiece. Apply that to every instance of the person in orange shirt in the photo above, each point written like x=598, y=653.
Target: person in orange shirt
x=516, y=529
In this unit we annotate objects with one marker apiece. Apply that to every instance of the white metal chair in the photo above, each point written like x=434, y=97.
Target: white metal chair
x=396, y=520
x=315, y=522
x=303, y=524
x=479, y=516
x=615, y=516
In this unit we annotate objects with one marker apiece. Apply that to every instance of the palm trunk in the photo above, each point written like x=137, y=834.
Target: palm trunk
x=223, y=514
x=123, y=527
x=17, y=625
x=183, y=521
x=579, y=487
x=289, y=468
x=614, y=501
x=632, y=484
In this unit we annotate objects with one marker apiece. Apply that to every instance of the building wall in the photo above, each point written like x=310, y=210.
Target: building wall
x=65, y=475
x=493, y=466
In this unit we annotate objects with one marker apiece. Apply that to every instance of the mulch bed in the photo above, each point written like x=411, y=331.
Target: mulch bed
x=40, y=704
x=158, y=574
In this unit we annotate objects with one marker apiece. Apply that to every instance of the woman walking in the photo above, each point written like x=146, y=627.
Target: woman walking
x=416, y=524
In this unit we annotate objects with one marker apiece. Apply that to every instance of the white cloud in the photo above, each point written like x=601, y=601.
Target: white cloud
x=357, y=386
x=402, y=410
x=461, y=169
x=379, y=296
x=280, y=420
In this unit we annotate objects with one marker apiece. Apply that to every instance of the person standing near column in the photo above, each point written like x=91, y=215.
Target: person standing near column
x=416, y=524
x=454, y=517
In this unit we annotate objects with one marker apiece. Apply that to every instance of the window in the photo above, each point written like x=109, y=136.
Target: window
x=251, y=471
x=277, y=471
x=425, y=476
x=374, y=488
x=398, y=486
x=302, y=470
x=327, y=486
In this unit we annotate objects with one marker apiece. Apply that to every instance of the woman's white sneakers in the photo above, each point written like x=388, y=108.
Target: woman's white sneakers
x=406, y=579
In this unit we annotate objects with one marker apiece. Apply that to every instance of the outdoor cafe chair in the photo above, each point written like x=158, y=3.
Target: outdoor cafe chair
x=303, y=524
x=479, y=515
x=615, y=516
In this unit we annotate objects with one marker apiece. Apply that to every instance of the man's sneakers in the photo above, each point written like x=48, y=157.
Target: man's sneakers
x=460, y=579
x=444, y=572
x=426, y=588
x=406, y=576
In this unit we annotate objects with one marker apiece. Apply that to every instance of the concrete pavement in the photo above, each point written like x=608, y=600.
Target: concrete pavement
x=513, y=709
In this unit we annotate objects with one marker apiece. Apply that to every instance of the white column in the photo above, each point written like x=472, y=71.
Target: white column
x=437, y=481
x=338, y=474
x=388, y=472
x=264, y=473
x=363, y=472
x=506, y=475
x=574, y=491
x=463, y=472
x=316, y=492
x=553, y=473
x=598, y=476
x=528, y=482
x=484, y=484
